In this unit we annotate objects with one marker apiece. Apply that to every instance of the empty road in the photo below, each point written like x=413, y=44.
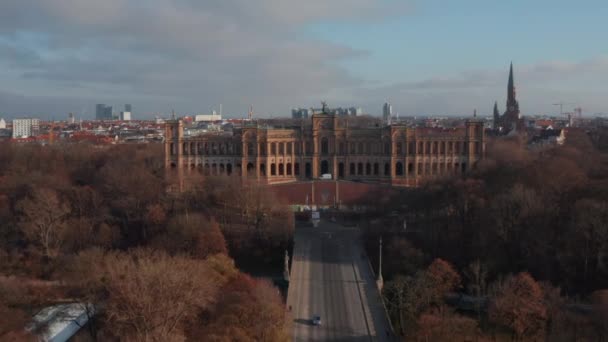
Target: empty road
x=330, y=278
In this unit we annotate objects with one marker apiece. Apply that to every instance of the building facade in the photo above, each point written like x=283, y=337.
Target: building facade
x=25, y=127
x=324, y=144
x=103, y=112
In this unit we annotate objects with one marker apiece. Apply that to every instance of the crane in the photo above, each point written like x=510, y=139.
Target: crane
x=561, y=106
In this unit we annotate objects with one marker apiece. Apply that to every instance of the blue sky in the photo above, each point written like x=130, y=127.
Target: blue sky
x=426, y=57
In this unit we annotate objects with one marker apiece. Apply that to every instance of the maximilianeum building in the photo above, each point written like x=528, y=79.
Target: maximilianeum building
x=325, y=145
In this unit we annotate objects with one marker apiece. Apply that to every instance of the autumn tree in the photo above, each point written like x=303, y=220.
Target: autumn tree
x=147, y=296
x=519, y=306
x=193, y=234
x=247, y=310
x=43, y=220
x=443, y=324
x=408, y=297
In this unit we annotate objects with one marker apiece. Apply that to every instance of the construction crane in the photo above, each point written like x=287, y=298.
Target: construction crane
x=561, y=106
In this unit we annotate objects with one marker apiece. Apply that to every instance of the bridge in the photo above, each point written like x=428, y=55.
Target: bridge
x=331, y=277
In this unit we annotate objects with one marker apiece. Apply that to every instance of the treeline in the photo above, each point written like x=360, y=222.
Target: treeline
x=97, y=225
x=525, y=223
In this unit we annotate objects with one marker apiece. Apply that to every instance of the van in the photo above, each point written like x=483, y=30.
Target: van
x=325, y=176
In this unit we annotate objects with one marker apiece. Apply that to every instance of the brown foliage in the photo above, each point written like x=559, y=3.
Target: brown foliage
x=148, y=296
x=248, y=310
x=519, y=306
x=44, y=220
x=445, y=325
x=192, y=234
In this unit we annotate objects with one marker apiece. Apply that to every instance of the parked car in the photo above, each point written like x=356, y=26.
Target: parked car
x=316, y=320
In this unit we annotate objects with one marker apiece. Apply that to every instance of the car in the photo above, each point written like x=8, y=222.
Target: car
x=316, y=320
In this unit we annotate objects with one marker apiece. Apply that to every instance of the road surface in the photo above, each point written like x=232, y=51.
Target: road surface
x=331, y=278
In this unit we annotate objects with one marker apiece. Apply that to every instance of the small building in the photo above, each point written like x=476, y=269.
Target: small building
x=208, y=117
x=59, y=323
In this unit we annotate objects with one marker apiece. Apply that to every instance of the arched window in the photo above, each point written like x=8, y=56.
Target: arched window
x=250, y=170
x=228, y=169
x=399, y=169
x=296, y=169
x=324, y=146
x=324, y=167
x=387, y=169
x=352, y=169
x=376, y=169
x=222, y=169
x=273, y=169
x=360, y=168
x=281, y=169
x=289, y=169
x=368, y=169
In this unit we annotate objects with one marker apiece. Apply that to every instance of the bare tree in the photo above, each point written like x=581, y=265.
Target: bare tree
x=44, y=220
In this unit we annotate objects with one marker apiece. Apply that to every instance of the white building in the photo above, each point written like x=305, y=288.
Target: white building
x=25, y=127
x=125, y=116
x=387, y=113
x=208, y=117
x=2, y=124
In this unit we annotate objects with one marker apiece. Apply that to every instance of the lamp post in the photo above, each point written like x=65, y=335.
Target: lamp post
x=380, y=281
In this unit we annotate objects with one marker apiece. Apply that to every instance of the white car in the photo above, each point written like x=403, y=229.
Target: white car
x=316, y=320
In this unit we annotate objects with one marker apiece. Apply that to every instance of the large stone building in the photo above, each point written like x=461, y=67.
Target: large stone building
x=325, y=144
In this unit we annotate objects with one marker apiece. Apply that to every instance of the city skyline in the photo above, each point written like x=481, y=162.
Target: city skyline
x=425, y=58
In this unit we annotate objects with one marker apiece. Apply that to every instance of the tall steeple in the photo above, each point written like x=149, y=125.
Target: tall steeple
x=512, y=105
x=511, y=86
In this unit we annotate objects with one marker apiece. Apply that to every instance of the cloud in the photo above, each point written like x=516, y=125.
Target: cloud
x=195, y=53
x=192, y=55
x=539, y=85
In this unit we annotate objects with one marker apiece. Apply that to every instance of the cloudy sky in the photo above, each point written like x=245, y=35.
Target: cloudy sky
x=424, y=56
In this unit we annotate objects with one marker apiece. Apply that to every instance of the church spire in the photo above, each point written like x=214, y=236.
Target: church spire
x=512, y=105
x=511, y=86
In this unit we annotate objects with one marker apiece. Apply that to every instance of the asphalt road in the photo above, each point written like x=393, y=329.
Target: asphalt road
x=331, y=278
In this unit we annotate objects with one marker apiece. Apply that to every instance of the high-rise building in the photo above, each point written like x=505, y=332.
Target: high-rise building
x=103, y=112
x=2, y=124
x=125, y=116
x=387, y=113
x=71, y=118
x=25, y=127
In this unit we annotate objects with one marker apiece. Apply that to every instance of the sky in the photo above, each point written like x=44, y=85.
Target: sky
x=425, y=57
